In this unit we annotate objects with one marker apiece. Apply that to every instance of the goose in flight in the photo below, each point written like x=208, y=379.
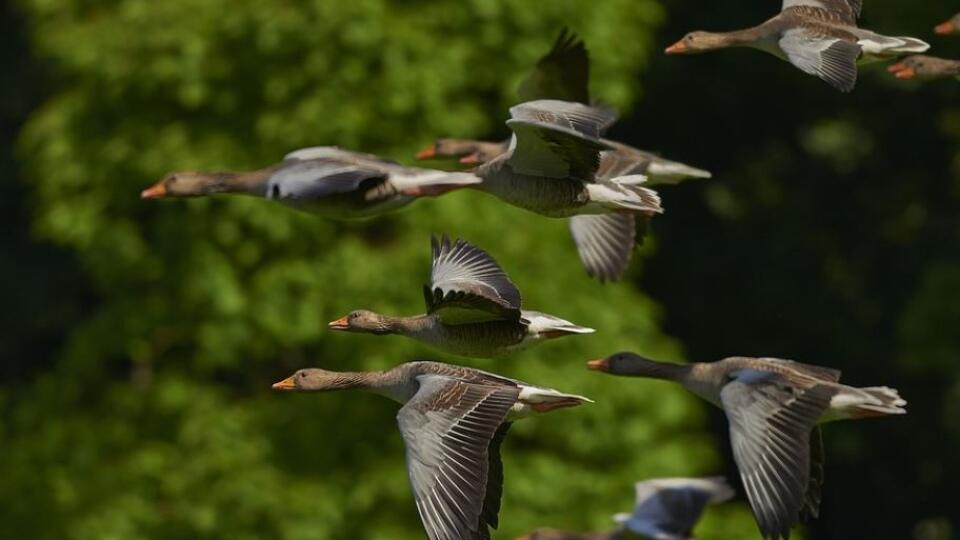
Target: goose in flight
x=453, y=421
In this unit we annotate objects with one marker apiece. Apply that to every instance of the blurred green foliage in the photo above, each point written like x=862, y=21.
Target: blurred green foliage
x=156, y=418
x=140, y=339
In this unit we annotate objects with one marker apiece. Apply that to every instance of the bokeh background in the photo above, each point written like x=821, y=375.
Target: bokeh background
x=140, y=339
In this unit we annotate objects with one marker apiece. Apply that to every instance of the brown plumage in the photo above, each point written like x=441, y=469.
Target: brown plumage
x=605, y=239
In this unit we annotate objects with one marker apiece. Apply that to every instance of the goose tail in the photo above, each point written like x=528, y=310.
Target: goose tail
x=662, y=171
x=550, y=326
x=878, y=47
x=871, y=402
x=626, y=193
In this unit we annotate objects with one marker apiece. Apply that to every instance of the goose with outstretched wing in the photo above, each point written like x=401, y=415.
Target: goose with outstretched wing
x=472, y=309
x=819, y=37
x=453, y=421
x=774, y=408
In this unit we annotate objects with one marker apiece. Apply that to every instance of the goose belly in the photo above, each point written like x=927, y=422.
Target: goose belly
x=551, y=197
x=480, y=340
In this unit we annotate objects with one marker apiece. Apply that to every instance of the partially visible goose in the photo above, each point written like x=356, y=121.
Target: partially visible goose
x=324, y=180
x=773, y=407
x=921, y=66
x=453, y=421
x=820, y=37
x=948, y=27
x=473, y=309
x=665, y=509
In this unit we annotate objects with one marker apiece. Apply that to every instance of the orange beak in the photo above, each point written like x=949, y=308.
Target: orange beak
x=286, y=384
x=677, y=48
x=598, y=365
x=156, y=191
x=902, y=71
x=429, y=152
x=340, y=324
x=471, y=159
x=945, y=28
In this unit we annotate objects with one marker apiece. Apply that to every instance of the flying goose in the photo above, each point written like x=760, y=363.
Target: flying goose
x=324, y=180
x=453, y=422
x=473, y=309
x=920, y=66
x=774, y=408
x=819, y=37
x=604, y=243
x=665, y=509
x=551, y=168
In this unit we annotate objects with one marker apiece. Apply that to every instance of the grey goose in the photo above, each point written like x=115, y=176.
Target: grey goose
x=774, y=408
x=453, y=422
x=472, y=309
x=819, y=37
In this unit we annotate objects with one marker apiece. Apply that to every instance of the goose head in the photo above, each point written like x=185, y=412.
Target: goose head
x=185, y=184
x=923, y=67
x=363, y=321
x=633, y=365
x=313, y=380
x=699, y=41
x=951, y=26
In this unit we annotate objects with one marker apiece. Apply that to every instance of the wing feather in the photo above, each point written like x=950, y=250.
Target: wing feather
x=467, y=285
x=450, y=427
x=770, y=426
x=563, y=73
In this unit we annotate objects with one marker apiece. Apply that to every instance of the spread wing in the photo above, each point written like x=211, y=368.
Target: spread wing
x=563, y=73
x=558, y=139
x=467, y=285
x=847, y=11
x=831, y=59
x=449, y=428
x=770, y=426
x=605, y=243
